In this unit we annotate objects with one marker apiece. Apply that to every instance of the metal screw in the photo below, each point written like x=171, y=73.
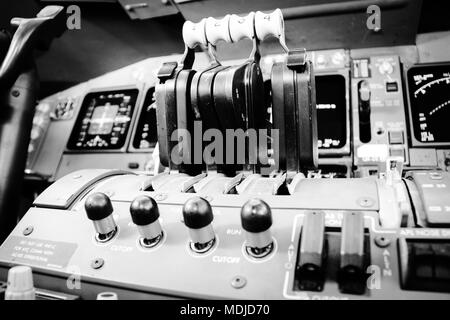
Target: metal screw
x=382, y=241
x=97, y=263
x=366, y=202
x=238, y=282
x=28, y=230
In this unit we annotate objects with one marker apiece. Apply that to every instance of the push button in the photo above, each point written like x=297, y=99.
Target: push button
x=395, y=152
x=396, y=137
x=392, y=86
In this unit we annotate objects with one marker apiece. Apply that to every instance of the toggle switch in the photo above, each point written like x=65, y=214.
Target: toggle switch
x=256, y=219
x=145, y=215
x=352, y=269
x=312, y=253
x=198, y=217
x=99, y=209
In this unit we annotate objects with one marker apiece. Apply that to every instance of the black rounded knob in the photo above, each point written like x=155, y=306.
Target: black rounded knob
x=98, y=206
x=447, y=162
x=197, y=213
x=256, y=216
x=144, y=210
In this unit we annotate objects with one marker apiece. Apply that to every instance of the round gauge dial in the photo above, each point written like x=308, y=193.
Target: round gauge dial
x=429, y=95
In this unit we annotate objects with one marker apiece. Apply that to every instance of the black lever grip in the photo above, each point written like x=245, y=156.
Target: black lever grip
x=31, y=33
x=18, y=92
x=16, y=118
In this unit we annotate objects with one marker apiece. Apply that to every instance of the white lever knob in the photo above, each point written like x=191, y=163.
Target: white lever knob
x=194, y=33
x=20, y=284
x=217, y=29
x=242, y=27
x=269, y=24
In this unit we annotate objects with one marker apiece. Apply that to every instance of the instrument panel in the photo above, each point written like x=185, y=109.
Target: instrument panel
x=429, y=97
x=145, y=134
x=112, y=119
x=392, y=224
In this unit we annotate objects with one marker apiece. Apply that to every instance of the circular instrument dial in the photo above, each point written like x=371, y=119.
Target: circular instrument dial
x=429, y=94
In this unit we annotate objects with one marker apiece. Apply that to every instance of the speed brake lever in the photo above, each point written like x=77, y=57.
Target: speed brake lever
x=31, y=33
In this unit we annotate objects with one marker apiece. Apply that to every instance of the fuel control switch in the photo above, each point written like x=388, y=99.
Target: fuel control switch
x=145, y=215
x=256, y=219
x=198, y=217
x=99, y=209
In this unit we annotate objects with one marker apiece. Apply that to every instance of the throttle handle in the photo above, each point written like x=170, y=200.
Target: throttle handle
x=269, y=24
x=217, y=29
x=194, y=34
x=242, y=27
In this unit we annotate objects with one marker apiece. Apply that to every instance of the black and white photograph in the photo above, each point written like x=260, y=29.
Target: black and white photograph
x=237, y=158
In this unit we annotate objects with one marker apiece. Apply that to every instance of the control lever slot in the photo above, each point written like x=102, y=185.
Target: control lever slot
x=215, y=183
x=170, y=182
x=255, y=184
x=364, y=110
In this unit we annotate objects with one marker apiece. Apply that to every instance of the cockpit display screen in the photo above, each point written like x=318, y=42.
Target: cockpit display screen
x=331, y=107
x=104, y=120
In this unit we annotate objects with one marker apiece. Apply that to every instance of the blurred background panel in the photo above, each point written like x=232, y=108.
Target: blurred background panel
x=110, y=39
